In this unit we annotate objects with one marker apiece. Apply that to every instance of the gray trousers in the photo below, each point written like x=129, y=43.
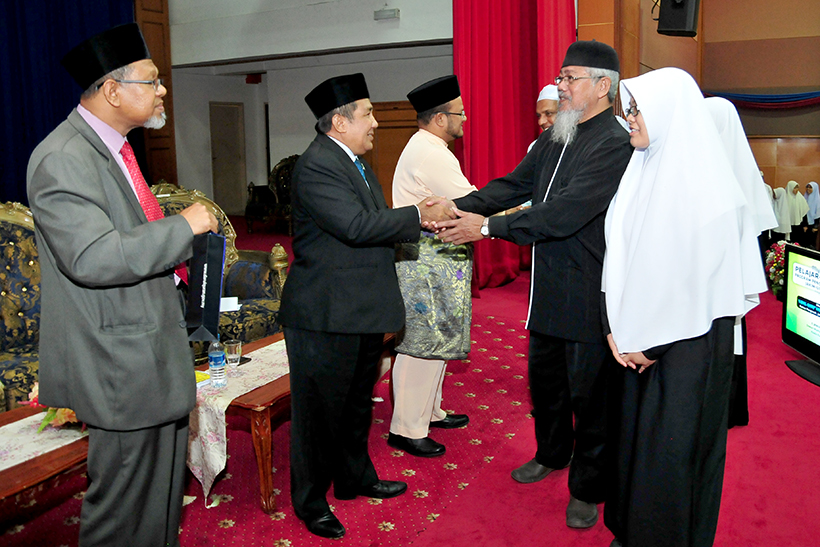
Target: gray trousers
x=137, y=478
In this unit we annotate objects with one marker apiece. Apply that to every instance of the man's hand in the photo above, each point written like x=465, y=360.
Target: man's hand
x=200, y=219
x=464, y=229
x=435, y=209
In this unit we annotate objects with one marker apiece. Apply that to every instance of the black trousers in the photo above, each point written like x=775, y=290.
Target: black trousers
x=570, y=378
x=137, y=480
x=331, y=383
x=739, y=393
x=671, y=445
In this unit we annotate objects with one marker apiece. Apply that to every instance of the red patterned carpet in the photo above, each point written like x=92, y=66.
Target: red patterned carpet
x=491, y=387
x=467, y=498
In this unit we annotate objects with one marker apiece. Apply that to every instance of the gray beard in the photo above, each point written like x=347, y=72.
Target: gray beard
x=566, y=126
x=155, y=122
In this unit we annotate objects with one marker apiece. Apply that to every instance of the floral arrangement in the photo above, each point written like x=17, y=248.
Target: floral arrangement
x=776, y=266
x=55, y=417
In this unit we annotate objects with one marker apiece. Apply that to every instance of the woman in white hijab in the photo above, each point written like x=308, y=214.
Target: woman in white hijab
x=798, y=209
x=759, y=199
x=813, y=199
x=676, y=273
x=781, y=213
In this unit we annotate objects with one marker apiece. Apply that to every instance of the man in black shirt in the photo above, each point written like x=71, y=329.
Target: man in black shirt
x=570, y=174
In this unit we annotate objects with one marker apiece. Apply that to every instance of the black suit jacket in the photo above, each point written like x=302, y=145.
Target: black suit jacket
x=342, y=278
x=568, y=228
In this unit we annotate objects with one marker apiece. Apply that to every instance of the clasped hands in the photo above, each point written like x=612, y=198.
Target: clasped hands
x=636, y=360
x=456, y=227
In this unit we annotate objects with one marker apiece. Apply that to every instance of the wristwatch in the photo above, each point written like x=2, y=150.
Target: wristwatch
x=485, y=228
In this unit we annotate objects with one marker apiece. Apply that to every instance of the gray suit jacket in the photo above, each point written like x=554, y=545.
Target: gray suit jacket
x=113, y=344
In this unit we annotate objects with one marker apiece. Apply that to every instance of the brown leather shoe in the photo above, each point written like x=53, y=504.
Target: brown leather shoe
x=530, y=472
x=581, y=514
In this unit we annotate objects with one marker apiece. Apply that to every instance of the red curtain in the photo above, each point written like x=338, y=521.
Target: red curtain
x=504, y=51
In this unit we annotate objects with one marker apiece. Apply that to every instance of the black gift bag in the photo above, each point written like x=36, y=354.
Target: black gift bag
x=205, y=287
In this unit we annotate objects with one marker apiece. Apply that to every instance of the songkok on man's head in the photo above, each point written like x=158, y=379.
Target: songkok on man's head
x=109, y=50
x=592, y=54
x=434, y=93
x=336, y=92
x=549, y=93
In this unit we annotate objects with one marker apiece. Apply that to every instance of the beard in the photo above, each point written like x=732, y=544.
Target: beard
x=155, y=122
x=566, y=125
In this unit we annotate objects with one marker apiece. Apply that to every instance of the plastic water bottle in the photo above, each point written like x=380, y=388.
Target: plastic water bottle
x=216, y=364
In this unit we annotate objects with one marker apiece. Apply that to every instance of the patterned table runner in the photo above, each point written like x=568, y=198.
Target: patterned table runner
x=19, y=441
x=207, y=440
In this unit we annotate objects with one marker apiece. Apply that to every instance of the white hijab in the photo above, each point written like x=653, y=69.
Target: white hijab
x=781, y=212
x=771, y=196
x=813, y=200
x=674, y=260
x=743, y=162
x=798, y=207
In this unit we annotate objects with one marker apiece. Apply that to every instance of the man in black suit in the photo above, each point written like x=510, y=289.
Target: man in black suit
x=340, y=298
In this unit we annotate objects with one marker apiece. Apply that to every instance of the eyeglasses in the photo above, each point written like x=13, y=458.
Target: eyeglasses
x=571, y=79
x=632, y=111
x=156, y=83
x=462, y=114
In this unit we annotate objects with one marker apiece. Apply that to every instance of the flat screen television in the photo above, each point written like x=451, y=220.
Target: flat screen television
x=800, y=327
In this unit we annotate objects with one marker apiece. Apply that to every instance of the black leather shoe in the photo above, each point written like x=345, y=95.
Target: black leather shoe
x=581, y=514
x=424, y=448
x=381, y=490
x=530, y=472
x=452, y=421
x=326, y=526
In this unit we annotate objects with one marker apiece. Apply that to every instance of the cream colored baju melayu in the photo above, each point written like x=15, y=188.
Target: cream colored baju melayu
x=426, y=168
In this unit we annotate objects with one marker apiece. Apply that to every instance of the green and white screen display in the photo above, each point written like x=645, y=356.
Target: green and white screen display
x=802, y=313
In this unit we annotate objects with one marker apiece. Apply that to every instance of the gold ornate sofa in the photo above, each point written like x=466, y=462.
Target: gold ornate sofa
x=19, y=304
x=256, y=278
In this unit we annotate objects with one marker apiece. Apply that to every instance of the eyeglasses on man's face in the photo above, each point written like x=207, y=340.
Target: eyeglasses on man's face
x=462, y=114
x=156, y=83
x=570, y=79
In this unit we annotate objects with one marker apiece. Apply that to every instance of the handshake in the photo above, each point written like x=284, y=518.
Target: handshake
x=441, y=215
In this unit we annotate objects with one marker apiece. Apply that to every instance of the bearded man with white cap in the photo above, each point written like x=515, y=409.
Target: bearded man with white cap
x=546, y=108
x=341, y=296
x=113, y=342
x=570, y=175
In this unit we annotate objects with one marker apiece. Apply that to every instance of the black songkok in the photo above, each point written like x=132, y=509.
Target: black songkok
x=434, y=93
x=109, y=50
x=337, y=92
x=592, y=54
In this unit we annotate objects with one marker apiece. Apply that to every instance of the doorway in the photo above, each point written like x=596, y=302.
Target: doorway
x=228, y=156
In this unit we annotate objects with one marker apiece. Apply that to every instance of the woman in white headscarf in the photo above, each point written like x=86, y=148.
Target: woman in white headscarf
x=798, y=209
x=676, y=274
x=813, y=199
x=781, y=213
x=743, y=163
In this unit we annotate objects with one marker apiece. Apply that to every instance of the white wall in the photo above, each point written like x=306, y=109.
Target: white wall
x=390, y=75
x=295, y=37
x=192, y=94
x=203, y=31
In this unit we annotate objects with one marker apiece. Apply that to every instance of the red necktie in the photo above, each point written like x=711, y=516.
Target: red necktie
x=148, y=201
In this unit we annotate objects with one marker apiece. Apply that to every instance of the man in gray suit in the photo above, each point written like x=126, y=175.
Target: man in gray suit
x=113, y=344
